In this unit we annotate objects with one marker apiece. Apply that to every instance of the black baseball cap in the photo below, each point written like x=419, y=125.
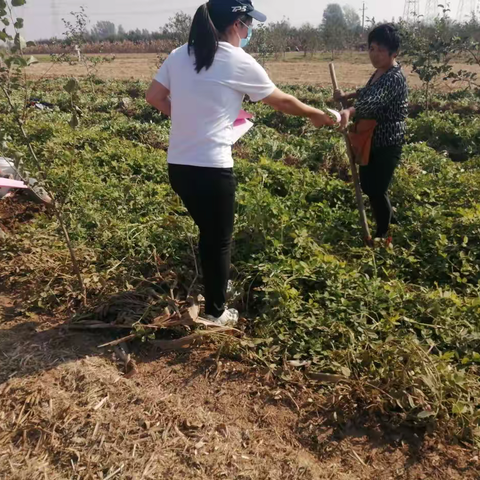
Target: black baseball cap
x=236, y=7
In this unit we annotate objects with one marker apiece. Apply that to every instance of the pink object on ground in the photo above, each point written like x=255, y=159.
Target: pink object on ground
x=7, y=183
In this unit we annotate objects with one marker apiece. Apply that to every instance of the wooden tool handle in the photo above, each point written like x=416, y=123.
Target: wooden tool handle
x=333, y=75
x=356, y=180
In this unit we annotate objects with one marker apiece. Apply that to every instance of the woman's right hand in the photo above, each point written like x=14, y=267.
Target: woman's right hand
x=290, y=105
x=321, y=119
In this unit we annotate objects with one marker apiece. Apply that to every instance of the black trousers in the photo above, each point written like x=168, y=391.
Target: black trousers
x=376, y=178
x=209, y=196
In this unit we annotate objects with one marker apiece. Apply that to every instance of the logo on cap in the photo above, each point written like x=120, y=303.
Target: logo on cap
x=239, y=9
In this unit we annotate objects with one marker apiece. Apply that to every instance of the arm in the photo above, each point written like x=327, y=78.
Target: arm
x=341, y=96
x=290, y=105
x=158, y=96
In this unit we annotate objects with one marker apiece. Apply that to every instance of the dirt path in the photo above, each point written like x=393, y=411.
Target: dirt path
x=68, y=412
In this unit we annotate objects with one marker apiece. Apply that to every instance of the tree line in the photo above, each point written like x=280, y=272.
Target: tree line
x=340, y=29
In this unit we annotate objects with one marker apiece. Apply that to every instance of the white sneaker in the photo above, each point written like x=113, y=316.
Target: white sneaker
x=229, y=317
x=232, y=290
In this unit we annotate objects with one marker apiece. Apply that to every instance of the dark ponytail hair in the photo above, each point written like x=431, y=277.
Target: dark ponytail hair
x=207, y=28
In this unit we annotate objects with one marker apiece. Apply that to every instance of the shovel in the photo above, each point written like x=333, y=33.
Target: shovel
x=356, y=181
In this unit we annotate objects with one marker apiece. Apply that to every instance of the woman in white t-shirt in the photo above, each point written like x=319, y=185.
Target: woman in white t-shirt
x=201, y=86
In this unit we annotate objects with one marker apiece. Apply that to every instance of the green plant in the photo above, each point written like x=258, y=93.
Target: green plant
x=456, y=134
x=261, y=44
x=16, y=91
x=76, y=36
x=400, y=325
x=429, y=51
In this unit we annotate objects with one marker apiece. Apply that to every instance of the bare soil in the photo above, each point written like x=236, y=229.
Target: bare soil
x=352, y=70
x=16, y=210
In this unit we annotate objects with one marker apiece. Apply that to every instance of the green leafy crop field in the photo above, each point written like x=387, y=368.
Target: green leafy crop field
x=402, y=324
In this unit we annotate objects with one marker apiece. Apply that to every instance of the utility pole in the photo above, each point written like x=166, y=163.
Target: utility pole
x=363, y=16
x=55, y=17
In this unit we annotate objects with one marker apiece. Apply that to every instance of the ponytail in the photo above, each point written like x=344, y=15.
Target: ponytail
x=203, y=39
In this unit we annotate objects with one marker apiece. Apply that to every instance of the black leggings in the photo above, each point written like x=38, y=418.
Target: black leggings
x=209, y=196
x=376, y=178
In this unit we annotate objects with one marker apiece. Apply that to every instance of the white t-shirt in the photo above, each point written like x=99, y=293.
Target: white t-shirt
x=205, y=105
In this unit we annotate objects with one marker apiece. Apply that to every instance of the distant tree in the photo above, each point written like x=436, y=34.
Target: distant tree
x=158, y=35
x=470, y=29
x=121, y=33
x=261, y=44
x=371, y=23
x=104, y=30
x=354, y=25
x=177, y=29
x=352, y=18
x=309, y=38
x=134, y=35
x=334, y=28
x=280, y=36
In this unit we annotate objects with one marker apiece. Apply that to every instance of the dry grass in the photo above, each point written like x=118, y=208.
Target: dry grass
x=82, y=419
x=67, y=411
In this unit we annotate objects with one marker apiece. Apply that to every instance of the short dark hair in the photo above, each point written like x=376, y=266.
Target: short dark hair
x=386, y=35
